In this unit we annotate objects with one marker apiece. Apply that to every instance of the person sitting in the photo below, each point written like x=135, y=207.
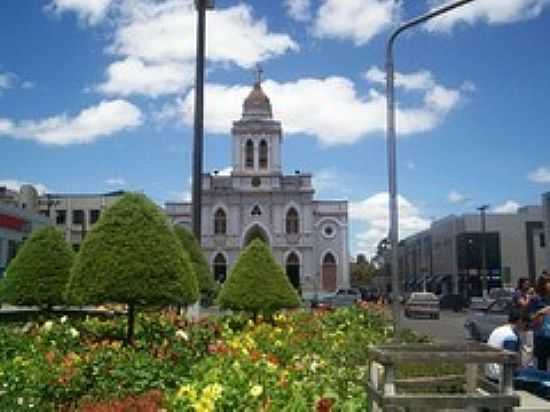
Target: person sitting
x=539, y=309
x=507, y=337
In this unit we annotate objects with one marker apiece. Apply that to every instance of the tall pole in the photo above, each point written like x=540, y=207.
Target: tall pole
x=198, y=139
x=392, y=148
x=483, y=219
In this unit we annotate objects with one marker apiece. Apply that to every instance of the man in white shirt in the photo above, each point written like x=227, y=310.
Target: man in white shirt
x=507, y=337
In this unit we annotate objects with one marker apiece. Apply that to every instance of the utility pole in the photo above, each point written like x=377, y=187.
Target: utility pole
x=483, y=218
x=392, y=147
x=198, y=138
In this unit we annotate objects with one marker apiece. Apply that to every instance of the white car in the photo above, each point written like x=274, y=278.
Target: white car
x=423, y=304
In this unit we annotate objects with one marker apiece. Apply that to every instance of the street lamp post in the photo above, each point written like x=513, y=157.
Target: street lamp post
x=391, y=145
x=483, y=221
x=198, y=139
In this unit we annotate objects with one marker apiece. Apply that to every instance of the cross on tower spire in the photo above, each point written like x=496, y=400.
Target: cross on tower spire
x=259, y=74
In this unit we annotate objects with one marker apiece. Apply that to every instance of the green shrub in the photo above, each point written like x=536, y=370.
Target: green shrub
x=39, y=273
x=132, y=256
x=198, y=260
x=257, y=283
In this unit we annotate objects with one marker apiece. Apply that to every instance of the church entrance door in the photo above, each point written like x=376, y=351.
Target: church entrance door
x=329, y=272
x=256, y=232
x=293, y=270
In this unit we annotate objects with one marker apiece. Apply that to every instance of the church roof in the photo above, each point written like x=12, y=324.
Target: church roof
x=257, y=104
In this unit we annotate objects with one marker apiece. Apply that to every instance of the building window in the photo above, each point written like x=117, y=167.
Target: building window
x=12, y=251
x=61, y=217
x=249, y=155
x=220, y=222
x=94, y=216
x=256, y=211
x=263, y=154
x=78, y=217
x=542, y=240
x=292, y=221
x=220, y=268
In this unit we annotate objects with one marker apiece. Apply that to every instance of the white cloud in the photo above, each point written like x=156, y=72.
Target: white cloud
x=421, y=80
x=90, y=11
x=509, y=206
x=154, y=42
x=358, y=20
x=541, y=175
x=116, y=181
x=11, y=80
x=15, y=185
x=6, y=81
x=160, y=32
x=487, y=11
x=374, y=212
x=107, y=118
x=299, y=10
x=326, y=180
x=133, y=76
x=456, y=197
x=184, y=196
x=330, y=109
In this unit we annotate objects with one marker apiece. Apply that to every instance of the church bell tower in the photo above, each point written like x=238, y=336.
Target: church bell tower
x=256, y=136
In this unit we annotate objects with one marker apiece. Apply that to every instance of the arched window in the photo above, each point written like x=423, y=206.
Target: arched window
x=220, y=222
x=329, y=272
x=256, y=211
x=263, y=154
x=292, y=221
x=293, y=269
x=220, y=268
x=249, y=155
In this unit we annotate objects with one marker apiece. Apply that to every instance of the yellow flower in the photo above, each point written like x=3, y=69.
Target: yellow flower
x=187, y=391
x=256, y=390
x=212, y=391
x=278, y=343
x=204, y=405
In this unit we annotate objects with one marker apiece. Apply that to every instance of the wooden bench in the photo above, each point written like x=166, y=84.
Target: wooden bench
x=383, y=387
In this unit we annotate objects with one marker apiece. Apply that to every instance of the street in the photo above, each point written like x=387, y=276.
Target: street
x=448, y=328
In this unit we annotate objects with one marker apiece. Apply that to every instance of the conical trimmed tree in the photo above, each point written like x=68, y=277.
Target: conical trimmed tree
x=132, y=256
x=257, y=283
x=198, y=260
x=39, y=273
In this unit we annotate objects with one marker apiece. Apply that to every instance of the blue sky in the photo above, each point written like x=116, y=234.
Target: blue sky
x=95, y=96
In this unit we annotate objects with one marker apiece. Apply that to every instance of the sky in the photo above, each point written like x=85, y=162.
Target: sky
x=97, y=95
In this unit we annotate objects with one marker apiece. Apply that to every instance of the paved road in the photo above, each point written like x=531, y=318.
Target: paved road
x=448, y=328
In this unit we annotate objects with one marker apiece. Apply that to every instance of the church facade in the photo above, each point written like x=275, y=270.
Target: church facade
x=308, y=237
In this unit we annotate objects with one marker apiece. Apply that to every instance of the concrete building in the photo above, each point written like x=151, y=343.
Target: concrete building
x=308, y=237
x=73, y=214
x=16, y=222
x=447, y=258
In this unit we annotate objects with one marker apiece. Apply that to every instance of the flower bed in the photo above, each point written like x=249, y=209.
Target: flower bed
x=296, y=361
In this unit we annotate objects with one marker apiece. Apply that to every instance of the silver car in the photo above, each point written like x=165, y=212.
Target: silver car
x=423, y=304
x=342, y=297
x=480, y=323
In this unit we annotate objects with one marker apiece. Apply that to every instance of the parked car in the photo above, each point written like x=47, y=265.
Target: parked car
x=479, y=303
x=342, y=297
x=369, y=294
x=423, y=304
x=481, y=322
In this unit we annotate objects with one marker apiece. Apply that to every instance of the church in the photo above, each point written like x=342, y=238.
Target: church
x=308, y=237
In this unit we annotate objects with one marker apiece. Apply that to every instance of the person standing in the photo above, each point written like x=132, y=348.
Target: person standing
x=521, y=297
x=539, y=309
